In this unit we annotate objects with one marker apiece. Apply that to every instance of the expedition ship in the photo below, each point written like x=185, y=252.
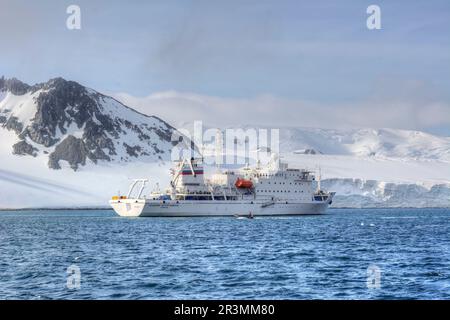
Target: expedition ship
x=251, y=191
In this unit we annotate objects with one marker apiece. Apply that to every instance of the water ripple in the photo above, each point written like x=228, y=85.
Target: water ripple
x=317, y=257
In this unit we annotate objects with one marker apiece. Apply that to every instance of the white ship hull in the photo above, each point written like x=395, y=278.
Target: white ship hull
x=171, y=208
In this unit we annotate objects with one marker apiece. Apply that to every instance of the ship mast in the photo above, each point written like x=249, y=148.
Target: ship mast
x=318, y=181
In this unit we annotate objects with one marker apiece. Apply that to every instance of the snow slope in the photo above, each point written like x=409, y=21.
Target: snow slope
x=23, y=107
x=27, y=182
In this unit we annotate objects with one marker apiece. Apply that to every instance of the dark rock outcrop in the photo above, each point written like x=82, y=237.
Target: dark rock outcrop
x=132, y=151
x=13, y=124
x=23, y=148
x=14, y=86
x=70, y=149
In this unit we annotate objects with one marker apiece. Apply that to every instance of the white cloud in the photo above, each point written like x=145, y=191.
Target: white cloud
x=390, y=112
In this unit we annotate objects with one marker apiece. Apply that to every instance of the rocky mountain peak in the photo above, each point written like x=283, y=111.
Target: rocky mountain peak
x=14, y=86
x=67, y=121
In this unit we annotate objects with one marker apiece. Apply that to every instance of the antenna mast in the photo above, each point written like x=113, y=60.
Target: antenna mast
x=320, y=178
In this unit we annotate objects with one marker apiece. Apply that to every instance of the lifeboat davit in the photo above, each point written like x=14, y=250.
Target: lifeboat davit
x=243, y=184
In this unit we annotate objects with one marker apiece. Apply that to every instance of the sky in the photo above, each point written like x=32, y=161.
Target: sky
x=279, y=63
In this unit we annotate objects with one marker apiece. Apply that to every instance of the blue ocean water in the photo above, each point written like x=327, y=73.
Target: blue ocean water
x=306, y=257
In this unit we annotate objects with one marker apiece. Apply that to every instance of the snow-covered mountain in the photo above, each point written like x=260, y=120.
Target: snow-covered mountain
x=375, y=167
x=99, y=144
x=377, y=143
x=65, y=145
x=383, y=143
x=66, y=121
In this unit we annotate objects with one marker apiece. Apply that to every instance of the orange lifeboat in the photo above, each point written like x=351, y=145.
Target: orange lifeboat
x=243, y=184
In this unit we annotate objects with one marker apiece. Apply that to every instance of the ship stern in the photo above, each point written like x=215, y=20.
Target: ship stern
x=128, y=207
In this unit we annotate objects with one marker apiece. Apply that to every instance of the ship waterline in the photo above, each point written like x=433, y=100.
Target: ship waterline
x=152, y=208
x=251, y=191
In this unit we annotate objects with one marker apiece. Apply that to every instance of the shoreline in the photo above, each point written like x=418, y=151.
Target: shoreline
x=56, y=209
x=109, y=208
